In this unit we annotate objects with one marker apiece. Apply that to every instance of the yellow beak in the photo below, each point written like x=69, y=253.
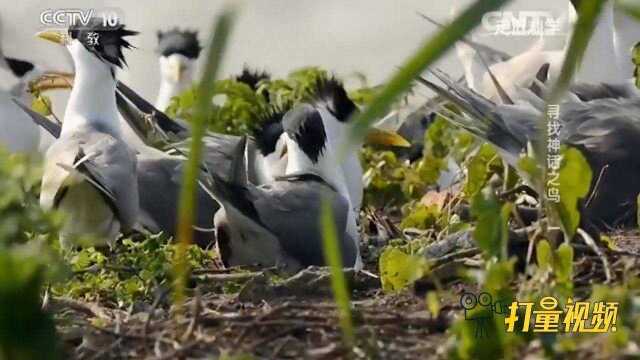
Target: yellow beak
x=377, y=136
x=176, y=68
x=52, y=80
x=57, y=37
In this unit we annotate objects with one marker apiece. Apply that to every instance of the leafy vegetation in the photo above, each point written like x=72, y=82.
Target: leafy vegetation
x=425, y=242
x=26, y=262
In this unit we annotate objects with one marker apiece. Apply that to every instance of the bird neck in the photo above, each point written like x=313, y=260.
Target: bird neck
x=327, y=167
x=353, y=172
x=168, y=90
x=92, y=101
x=350, y=168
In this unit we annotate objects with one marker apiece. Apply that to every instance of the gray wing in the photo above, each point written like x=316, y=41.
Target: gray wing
x=159, y=180
x=291, y=209
x=287, y=210
x=219, y=152
x=107, y=162
x=605, y=127
x=589, y=92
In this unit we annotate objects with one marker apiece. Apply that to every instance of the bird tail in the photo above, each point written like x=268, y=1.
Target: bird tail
x=160, y=120
x=234, y=192
x=479, y=115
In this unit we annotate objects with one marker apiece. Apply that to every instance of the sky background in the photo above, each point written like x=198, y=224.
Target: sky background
x=373, y=37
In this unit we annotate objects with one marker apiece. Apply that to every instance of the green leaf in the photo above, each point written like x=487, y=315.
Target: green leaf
x=399, y=270
x=492, y=231
x=479, y=169
x=26, y=331
x=433, y=303
x=564, y=263
x=531, y=169
x=488, y=339
x=421, y=217
x=631, y=7
x=544, y=256
x=575, y=180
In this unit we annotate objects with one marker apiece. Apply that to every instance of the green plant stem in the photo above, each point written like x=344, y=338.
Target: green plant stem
x=202, y=112
x=333, y=258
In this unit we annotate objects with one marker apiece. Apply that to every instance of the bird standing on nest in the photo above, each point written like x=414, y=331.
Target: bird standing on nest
x=90, y=171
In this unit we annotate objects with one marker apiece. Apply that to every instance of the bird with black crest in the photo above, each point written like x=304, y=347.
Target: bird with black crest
x=278, y=223
x=178, y=55
x=90, y=171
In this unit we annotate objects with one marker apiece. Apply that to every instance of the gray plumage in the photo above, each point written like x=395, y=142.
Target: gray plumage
x=158, y=180
x=588, y=92
x=153, y=126
x=159, y=177
x=278, y=223
x=178, y=41
x=90, y=175
x=606, y=131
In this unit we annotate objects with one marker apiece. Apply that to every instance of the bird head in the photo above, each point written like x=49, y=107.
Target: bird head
x=19, y=68
x=337, y=110
x=267, y=133
x=179, y=51
x=94, y=44
x=303, y=125
x=31, y=76
x=252, y=77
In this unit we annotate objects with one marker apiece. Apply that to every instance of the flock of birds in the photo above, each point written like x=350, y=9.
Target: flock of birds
x=259, y=196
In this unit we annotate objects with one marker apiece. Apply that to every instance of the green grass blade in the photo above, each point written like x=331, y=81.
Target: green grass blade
x=333, y=258
x=202, y=111
x=425, y=56
x=631, y=7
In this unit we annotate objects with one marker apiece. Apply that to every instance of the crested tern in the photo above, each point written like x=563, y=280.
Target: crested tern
x=278, y=224
x=90, y=171
x=179, y=51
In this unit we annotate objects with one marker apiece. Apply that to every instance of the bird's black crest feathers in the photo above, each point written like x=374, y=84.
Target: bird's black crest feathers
x=178, y=41
x=252, y=77
x=105, y=41
x=331, y=93
x=268, y=128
